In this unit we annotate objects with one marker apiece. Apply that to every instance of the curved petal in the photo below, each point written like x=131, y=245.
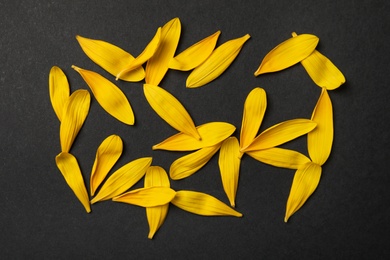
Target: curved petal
x=147, y=197
x=58, y=89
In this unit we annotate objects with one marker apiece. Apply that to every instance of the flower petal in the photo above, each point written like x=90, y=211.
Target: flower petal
x=70, y=169
x=157, y=66
x=288, y=53
x=170, y=109
x=217, y=63
x=147, y=197
x=305, y=182
x=211, y=134
x=202, y=204
x=319, y=141
x=229, y=166
x=75, y=112
x=196, y=54
x=123, y=179
x=111, y=58
x=109, y=96
x=107, y=154
x=58, y=89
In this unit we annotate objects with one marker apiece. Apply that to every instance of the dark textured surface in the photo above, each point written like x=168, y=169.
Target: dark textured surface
x=347, y=216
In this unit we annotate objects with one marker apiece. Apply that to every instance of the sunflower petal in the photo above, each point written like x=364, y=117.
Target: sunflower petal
x=111, y=58
x=157, y=66
x=319, y=141
x=305, y=182
x=229, y=166
x=170, y=109
x=147, y=197
x=202, y=204
x=107, y=154
x=216, y=63
x=75, y=112
x=109, y=96
x=58, y=89
x=123, y=179
x=191, y=163
x=70, y=169
x=211, y=134
x=196, y=54
x=288, y=53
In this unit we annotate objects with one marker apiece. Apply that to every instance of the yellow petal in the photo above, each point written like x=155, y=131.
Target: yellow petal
x=70, y=169
x=58, y=89
x=217, y=63
x=280, y=157
x=157, y=66
x=111, y=58
x=229, y=166
x=288, y=53
x=305, y=182
x=156, y=176
x=147, y=197
x=319, y=141
x=211, y=134
x=109, y=96
x=75, y=112
x=202, y=204
x=281, y=133
x=196, y=54
x=123, y=179
x=191, y=163
x=170, y=109
x=107, y=154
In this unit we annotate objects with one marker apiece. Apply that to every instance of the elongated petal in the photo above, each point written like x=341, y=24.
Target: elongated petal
x=202, y=204
x=107, y=154
x=58, y=89
x=280, y=157
x=189, y=164
x=123, y=179
x=229, y=166
x=305, y=182
x=288, y=53
x=319, y=141
x=70, y=169
x=196, y=54
x=170, y=109
x=217, y=63
x=157, y=66
x=109, y=96
x=111, y=58
x=211, y=134
x=254, y=110
x=75, y=112
x=281, y=133
x=147, y=197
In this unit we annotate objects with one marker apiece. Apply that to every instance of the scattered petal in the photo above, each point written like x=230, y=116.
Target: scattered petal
x=147, y=197
x=59, y=90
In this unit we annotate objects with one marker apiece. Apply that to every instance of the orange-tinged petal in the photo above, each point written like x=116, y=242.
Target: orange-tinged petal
x=170, y=109
x=108, y=95
x=58, y=89
x=107, y=154
x=319, y=141
x=147, y=197
x=70, y=169
x=305, y=182
x=196, y=54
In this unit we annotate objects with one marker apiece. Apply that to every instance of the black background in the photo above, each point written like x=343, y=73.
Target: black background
x=346, y=217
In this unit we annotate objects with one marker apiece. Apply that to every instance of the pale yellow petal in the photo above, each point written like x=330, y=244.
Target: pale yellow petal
x=217, y=63
x=123, y=179
x=305, y=182
x=147, y=197
x=229, y=166
x=58, y=89
x=319, y=141
x=170, y=110
x=157, y=66
x=195, y=55
x=280, y=157
x=111, y=58
x=108, y=95
x=202, y=204
x=107, y=154
x=70, y=169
